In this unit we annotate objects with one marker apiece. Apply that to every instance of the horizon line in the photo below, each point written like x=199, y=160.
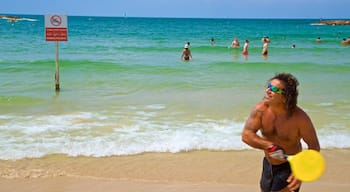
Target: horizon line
x=168, y=17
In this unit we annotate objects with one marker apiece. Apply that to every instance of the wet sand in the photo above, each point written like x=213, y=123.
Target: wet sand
x=186, y=171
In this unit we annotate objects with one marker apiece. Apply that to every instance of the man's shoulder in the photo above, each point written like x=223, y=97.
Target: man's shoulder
x=299, y=111
x=300, y=114
x=261, y=105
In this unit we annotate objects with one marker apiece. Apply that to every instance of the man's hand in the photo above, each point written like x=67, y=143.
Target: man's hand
x=276, y=152
x=294, y=183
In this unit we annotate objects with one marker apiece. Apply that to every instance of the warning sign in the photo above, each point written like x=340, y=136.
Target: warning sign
x=56, y=28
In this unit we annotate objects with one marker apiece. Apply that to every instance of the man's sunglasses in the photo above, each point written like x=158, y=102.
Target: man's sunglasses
x=275, y=89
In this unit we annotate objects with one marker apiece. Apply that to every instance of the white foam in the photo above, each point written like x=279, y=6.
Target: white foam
x=28, y=19
x=156, y=106
x=326, y=104
x=102, y=134
x=317, y=24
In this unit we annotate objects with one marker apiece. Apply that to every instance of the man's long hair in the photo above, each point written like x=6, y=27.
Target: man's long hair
x=290, y=91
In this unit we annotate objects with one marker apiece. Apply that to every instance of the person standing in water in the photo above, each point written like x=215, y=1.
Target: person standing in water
x=235, y=43
x=212, y=41
x=186, y=53
x=265, y=46
x=245, y=47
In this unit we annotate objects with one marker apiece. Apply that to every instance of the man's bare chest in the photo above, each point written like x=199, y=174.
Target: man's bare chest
x=281, y=128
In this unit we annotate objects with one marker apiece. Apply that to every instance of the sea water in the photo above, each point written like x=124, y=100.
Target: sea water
x=124, y=89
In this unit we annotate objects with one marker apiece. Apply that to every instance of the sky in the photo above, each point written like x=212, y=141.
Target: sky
x=325, y=9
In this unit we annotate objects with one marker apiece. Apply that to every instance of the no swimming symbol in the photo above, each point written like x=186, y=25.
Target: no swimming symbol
x=56, y=20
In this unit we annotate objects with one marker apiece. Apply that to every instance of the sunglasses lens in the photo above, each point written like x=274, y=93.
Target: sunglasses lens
x=273, y=88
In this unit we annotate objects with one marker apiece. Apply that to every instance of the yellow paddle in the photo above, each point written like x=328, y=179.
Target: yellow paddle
x=307, y=165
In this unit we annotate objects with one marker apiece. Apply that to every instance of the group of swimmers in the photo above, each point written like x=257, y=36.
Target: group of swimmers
x=264, y=40
x=343, y=42
x=186, y=53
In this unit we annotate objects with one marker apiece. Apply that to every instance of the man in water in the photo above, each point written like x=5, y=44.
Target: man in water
x=346, y=41
x=265, y=46
x=235, y=43
x=245, y=47
x=186, y=53
x=282, y=125
x=212, y=41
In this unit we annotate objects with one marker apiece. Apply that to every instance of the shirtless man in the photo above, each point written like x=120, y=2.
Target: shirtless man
x=245, y=47
x=186, y=53
x=212, y=41
x=235, y=43
x=344, y=42
x=282, y=125
x=265, y=46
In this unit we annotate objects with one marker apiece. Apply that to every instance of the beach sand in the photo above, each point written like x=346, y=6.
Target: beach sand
x=187, y=171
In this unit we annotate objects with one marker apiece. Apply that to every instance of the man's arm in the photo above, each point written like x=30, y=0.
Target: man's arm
x=251, y=127
x=308, y=132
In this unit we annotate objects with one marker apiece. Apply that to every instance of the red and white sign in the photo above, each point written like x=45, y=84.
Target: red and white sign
x=56, y=28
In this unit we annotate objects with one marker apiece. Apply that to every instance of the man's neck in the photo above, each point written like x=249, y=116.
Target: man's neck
x=279, y=110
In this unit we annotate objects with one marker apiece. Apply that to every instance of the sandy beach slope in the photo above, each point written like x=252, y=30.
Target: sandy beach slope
x=188, y=171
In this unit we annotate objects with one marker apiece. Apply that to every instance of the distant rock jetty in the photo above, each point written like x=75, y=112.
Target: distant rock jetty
x=333, y=22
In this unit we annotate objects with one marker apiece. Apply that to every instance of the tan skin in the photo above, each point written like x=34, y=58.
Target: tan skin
x=270, y=117
x=186, y=52
x=265, y=46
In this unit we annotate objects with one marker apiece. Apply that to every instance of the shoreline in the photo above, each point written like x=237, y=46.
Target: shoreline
x=186, y=171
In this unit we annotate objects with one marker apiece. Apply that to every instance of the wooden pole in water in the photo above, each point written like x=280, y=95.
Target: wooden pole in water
x=57, y=73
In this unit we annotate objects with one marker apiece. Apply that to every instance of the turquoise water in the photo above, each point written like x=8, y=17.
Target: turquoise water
x=124, y=89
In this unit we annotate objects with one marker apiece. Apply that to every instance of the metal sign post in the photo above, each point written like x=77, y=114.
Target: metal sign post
x=57, y=71
x=56, y=27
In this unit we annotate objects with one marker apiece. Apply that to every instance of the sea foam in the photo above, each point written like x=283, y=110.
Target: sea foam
x=93, y=134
